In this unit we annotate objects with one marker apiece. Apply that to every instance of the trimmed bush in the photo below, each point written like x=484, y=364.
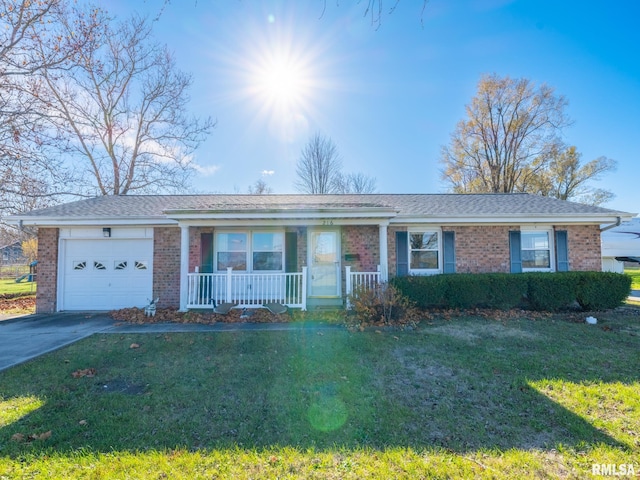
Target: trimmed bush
x=425, y=291
x=542, y=291
x=506, y=290
x=551, y=292
x=602, y=290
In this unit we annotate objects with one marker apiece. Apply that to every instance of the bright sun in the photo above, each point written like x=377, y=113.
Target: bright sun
x=282, y=83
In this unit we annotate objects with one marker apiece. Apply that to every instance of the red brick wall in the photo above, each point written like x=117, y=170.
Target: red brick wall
x=585, y=247
x=391, y=248
x=482, y=249
x=195, y=252
x=361, y=240
x=166, y=266
x=47, y=276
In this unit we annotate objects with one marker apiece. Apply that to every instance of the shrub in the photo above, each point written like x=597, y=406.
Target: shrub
x=425, y=292
x=506, y=290
x=551, y=292
x=467, y=290
x=602, y=290
x=382, y=304
x=543, y=291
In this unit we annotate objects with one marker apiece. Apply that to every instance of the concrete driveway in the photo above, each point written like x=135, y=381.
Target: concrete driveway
x=27, y=337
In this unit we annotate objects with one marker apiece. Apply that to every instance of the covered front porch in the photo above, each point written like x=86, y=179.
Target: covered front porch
x=247, y=290
x=300, y=259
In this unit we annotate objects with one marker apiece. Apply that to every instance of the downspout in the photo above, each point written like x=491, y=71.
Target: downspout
x=613, y=225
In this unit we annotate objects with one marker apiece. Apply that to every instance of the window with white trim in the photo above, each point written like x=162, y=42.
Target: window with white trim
x=536, y=250
x=250, y=251
x=268, y=248
x=424, y=251
x=231, y=251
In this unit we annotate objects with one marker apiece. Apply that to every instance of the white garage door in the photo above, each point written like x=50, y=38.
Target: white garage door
x=106, y=274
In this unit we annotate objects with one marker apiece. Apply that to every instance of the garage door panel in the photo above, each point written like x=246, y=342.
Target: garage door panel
x=107, y=274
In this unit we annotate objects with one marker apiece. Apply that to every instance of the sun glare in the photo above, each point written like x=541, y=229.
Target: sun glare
x=282, y=83
x=279, y=72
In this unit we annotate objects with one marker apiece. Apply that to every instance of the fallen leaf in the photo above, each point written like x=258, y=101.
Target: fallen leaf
x=86, y=372
x=134, y=345
x=396, y=337
x=82, y=422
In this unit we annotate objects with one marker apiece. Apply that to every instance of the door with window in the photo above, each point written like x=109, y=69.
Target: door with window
x=324, y=263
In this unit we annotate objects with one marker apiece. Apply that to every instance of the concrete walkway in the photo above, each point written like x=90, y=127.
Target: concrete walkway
x=27, y=337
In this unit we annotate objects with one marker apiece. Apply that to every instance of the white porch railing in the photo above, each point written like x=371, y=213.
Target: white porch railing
x=354, y=280
x=250, y=290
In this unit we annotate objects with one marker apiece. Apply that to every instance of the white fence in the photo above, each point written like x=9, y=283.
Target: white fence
x=250, y=290
x=354, y=280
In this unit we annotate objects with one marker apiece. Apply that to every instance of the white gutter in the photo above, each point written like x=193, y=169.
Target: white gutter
x=613, y=225
x=89, y=222
x=511, y=219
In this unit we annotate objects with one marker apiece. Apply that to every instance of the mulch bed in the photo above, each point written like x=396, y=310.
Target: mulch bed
x=253, y=315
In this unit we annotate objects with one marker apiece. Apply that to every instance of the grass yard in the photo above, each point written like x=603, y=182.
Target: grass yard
x=10, y=287
x=634, y=273
x=17, y=298
x=469, y=397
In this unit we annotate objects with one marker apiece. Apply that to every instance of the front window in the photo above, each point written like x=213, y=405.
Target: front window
x=232, y=251
x=267, y=250
x=250, y=251
x=536, y=251
x=424, y=252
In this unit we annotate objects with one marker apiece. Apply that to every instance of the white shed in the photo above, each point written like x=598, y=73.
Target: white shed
x=620, y=244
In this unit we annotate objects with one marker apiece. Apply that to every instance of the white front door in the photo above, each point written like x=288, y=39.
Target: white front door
x=324, y=261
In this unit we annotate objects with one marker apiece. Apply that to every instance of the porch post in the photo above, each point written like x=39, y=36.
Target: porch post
x=384, y=254
x=228, y=296
x=304, y=288
x=184, y=266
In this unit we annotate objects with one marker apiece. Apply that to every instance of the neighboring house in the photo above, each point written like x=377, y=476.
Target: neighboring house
x=621, y=244
x=12, y=254
x=301, y=250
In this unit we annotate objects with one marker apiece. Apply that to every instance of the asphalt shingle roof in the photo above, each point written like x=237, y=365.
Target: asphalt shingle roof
x=413, y=205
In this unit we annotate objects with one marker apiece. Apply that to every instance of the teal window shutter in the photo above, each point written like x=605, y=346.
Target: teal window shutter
x=515, y=251
x=206, y=253
x=291, y=251
x=562, y=251
x=449, y=252
x=402, y=254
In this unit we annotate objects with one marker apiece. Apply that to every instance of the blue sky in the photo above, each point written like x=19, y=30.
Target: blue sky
x=273, y=73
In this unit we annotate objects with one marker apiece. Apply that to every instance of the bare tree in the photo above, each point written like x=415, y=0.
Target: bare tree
x=29, y=176
x=567, y=178
x=375, y=9
x=319, y=166
x=260, y=187
x=117, y=110
x=355, y=183
x=319, y=170
x=510, y=133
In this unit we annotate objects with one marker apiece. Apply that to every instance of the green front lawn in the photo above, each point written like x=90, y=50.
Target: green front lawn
x=9, y=286
x=634, y=273
x=468, y=397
